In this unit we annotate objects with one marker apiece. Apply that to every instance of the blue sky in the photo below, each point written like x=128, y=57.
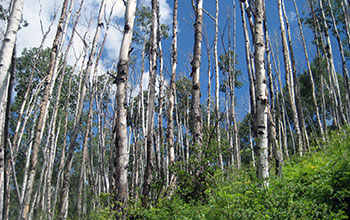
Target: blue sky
x=31, y=36
x=185, y=45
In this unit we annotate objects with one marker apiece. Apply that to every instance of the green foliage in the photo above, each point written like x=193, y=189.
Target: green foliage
x=224, y=64
x=313, y=187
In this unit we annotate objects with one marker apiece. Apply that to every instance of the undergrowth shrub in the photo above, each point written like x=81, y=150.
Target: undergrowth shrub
x=316, y=186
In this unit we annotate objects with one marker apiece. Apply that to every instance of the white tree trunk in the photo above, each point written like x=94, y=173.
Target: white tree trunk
x=172, y=91
x=120, y=157
x=196, y=114
x=5, y=62
x=261, y=93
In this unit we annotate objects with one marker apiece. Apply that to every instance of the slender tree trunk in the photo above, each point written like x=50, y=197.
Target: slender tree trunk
x=151, y=107
x=282, y=113
x=261, y=93
x=318, y=59
x=276, y=146
x=217, y=85
x=232, y=76
x=85, y=150
x=300, y=112
x=28, y=96
x=63, y=205
x=120, y=158
x=6, y=52
x=290, y=81
x=333, y=74
x=344, y=68
x=172, y=91
x=251, y=72
x=208, y=49
x=43, y=111
x=160, y=144
x=196, y=94
x=7, y=144
x=310, y=73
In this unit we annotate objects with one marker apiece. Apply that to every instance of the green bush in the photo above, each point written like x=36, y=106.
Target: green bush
x=313, y=187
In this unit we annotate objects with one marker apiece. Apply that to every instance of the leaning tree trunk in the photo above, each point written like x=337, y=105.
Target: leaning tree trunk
x=43, y=112
x=296, y=87
x=333, y=74
x=250, y=69
x=310, y=73
x=290, y=81
x=63, y=205
x=120, y=158
x=343, y=61
x=261, y=94
x=5, y=60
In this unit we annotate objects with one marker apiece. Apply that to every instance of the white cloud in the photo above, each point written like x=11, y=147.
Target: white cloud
x=292, y=16
x=32, y=35
x=165, y=12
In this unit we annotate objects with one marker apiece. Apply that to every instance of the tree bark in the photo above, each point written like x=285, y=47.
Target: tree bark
x=290, y=81
x=43, y=111
x=63, y=205
x=276, y=146
x=120, y=158
x=261, y=94
x=172, y=91
x=251, y=72
x=310, y=73
x=151, y=108
x=343, y=61
x=6, y=52
x=333, y=74
x=217, y=85
x=196, y=93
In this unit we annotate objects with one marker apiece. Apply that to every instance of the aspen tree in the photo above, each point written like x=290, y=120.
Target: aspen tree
x=172, y=91
x=282, y=115
x=319, y=44
x=261, y=93
x=296, y=87
x=310, y=73
x=160, y=144
x=93, y=89
x=7, y=143
x=196, y=62
x=120, y=159
x=217, y=84
x=6, y=52
x=290, y=81
x=333, y=74
x=208, y=50
x=276, y=147
x=43, y=111
x=151, y=107
x=232, y=76
x=343, y=61
x=63, y=205
x=249, y=61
